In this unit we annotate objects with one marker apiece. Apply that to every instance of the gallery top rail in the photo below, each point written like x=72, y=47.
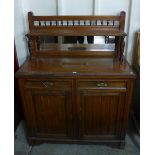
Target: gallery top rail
x=76, y=25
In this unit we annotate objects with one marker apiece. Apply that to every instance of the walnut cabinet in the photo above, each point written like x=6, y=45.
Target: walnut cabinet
x=76, y=92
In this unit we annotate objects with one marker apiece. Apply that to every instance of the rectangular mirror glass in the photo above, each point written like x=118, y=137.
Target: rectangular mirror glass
x=76, y=43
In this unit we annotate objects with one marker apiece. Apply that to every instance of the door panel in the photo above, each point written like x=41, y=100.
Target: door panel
x=50, y=107
x=100, y=114
x=52, y=112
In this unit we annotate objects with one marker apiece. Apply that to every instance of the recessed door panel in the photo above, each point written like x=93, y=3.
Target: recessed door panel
x=52, y=112
x=100, y=114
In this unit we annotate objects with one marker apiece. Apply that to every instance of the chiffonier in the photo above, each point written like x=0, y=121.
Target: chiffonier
x=76, y=85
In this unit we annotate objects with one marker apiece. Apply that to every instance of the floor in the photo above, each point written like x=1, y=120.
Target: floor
x=22, y=148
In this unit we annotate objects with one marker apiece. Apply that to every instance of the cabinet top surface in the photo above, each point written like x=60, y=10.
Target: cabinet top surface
x=74, y=67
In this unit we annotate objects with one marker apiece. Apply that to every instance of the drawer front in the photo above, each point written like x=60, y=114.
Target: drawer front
x=101, y=84
x=48, y=84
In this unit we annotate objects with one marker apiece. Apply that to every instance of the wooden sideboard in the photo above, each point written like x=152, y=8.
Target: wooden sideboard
x=72, y=93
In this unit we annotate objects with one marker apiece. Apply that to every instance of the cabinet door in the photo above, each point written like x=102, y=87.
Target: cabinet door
x=48, y=108
x=100, y=109
x=100, y=114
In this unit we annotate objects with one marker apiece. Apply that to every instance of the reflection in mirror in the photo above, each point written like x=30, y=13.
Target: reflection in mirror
x=43, y=40
x=76, y=43
x=48, y=39
x=79, y=39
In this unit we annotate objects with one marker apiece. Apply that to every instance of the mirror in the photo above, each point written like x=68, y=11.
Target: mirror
x=76, y=43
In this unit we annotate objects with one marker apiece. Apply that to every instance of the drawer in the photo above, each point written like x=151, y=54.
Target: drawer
x=101, y=84
x=48, y=84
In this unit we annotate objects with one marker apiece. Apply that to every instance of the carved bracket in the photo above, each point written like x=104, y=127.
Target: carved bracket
x=29, y=43
x=119, y=47
x=122, y=48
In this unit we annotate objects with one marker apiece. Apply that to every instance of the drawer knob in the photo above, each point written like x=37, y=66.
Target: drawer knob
x=102, y=84
x=48, y=84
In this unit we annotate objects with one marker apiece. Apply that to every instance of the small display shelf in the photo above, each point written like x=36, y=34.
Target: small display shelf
x=60, y=27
